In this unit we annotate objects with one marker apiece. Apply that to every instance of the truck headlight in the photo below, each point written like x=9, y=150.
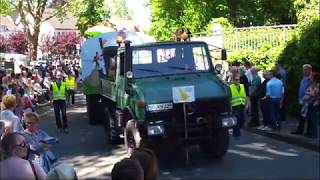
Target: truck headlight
x=159, y=107
x=154, y=130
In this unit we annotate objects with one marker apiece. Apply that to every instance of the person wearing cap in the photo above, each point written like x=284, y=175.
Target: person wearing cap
x=71, y=86
x=58, y=99
x=238, y=102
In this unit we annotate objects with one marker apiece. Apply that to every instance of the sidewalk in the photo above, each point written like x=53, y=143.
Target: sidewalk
x=285, y=135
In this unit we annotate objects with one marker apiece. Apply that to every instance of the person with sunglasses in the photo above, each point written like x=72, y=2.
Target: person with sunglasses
x=40, y=142
x=14, y=166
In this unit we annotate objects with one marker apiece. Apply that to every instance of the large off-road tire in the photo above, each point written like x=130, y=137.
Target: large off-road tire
x=95, y=109
x=132, y=136
x=218, y=144
x=111, y=132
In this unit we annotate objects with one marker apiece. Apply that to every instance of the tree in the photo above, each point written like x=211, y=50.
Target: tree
x=121, y=10
x=167, y=15
x=4, y=47
x=65, y=43
x=32, y=14
x=90, y=13
x=18, y=42
x=46, y=43
x=5, y=8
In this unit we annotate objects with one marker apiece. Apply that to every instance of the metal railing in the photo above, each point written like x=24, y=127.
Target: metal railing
x=252, y=38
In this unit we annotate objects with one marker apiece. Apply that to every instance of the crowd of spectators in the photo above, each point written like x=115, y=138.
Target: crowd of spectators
x=24, y=145
x=266, y=93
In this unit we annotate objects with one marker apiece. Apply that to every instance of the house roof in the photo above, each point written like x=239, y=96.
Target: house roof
x=68, y=23
x=6, y=21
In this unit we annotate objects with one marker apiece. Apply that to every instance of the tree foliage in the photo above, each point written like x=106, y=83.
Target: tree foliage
x=18, y=42
x=3, y=44
x=5, y=8
x=89, y=13
x=167, y=15
x=120, y=9
x=60, y=44
x=303, y=48
x=31, y=15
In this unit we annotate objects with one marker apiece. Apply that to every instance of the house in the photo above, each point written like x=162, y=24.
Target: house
x=54, y=26
x=7, y=25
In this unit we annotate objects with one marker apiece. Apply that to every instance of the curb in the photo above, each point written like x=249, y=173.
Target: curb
x=288, y=138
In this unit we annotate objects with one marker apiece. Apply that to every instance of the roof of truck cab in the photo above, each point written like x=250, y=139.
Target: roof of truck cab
x=167, y=43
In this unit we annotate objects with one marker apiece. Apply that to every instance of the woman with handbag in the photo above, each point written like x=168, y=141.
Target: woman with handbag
x=14, y=166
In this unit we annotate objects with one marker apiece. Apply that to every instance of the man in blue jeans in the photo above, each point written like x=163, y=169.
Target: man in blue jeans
x=238, y=102
x=275, y=96
x=58, y=96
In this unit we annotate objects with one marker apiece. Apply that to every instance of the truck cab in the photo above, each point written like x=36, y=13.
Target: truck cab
x=164, y=91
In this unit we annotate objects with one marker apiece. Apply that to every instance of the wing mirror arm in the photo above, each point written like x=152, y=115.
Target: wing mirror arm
x=128, y=87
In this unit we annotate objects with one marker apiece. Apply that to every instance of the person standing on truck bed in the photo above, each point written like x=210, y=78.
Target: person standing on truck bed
x=238, y=102
x=58, y=98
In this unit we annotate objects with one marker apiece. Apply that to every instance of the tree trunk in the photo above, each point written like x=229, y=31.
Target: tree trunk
x=34, y=42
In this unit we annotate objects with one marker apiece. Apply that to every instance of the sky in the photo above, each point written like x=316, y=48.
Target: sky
x=141, y=14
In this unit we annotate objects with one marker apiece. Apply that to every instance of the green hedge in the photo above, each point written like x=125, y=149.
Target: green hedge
x=303, y=48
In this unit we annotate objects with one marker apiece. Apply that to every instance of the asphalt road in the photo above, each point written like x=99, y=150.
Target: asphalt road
x=250, y=157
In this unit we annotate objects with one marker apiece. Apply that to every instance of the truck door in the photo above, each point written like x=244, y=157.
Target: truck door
x=121, y=96
x=108, y=85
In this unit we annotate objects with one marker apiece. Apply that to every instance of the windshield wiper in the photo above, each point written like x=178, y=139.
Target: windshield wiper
x=149, y=70
x=180, y=68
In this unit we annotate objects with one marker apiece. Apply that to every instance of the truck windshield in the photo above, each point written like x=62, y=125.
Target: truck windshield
x=169, y=59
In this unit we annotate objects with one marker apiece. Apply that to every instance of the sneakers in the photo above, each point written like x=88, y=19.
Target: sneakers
x=266, y=128
x=66, y=130
x=261, y=127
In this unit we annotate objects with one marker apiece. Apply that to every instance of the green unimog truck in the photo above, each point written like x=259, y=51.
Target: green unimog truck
x=158, y=91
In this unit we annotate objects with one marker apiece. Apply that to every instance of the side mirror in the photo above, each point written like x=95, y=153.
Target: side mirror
x=223, y=54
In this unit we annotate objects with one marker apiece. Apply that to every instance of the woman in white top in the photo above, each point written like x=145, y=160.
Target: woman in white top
x=15, y=148
x=9, y=104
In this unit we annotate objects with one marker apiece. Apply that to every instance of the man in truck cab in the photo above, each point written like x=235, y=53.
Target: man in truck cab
x=58, y=98
x=238, y=102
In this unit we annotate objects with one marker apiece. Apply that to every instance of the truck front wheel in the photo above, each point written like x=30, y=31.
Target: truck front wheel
x=217, y=145
x=92, y=110
x=132, y=136
x=110, y=127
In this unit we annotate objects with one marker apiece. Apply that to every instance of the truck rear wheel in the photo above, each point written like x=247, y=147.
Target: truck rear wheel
x=218, y=144
x=110, y=127
x=94, y=109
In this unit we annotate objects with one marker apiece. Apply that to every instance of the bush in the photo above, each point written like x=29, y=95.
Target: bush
x=264, y=58
x=303, y=48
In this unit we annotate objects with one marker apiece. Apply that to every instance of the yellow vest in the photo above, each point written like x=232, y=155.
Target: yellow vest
x=238, y=98
x=71, y=83
x=58, y=94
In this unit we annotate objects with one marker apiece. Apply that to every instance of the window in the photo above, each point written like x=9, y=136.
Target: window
x=200, y=58
x=112, y=68
x=142, y=57
x=164, y=55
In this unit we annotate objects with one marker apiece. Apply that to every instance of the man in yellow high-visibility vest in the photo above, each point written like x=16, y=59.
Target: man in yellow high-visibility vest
x=238, y=102
x=58, y=98
x=71, y=87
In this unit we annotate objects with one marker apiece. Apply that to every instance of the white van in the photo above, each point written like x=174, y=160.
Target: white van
x=19, y=59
